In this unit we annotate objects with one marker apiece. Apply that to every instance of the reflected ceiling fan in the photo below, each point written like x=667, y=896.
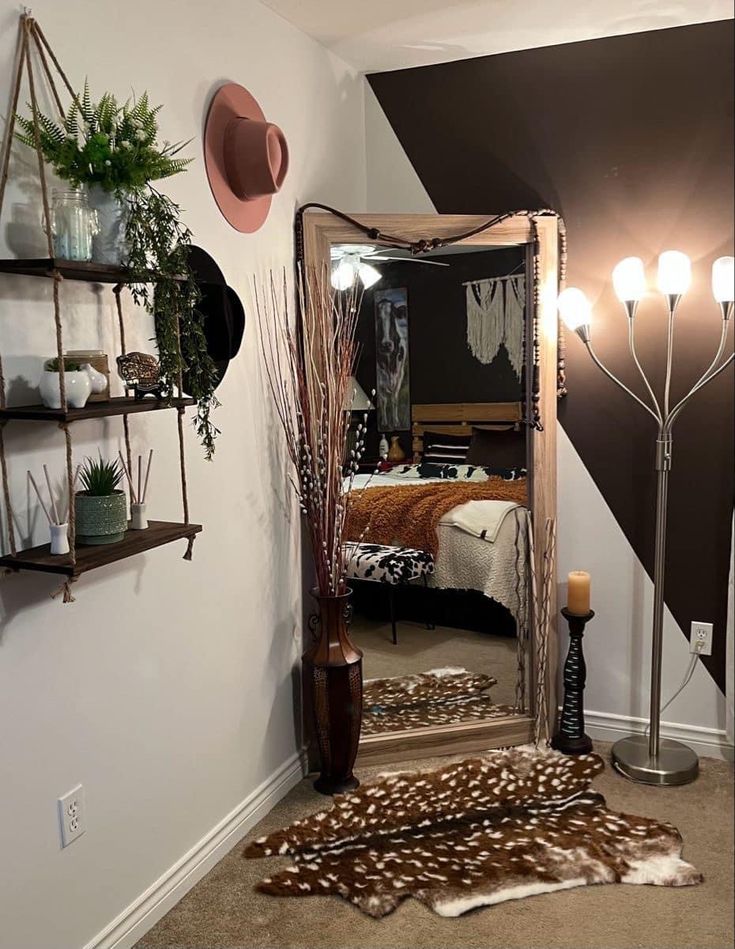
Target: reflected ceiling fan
x=350, y=262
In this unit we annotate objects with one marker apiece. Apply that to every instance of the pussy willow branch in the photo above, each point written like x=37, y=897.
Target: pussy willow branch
x=308, y=375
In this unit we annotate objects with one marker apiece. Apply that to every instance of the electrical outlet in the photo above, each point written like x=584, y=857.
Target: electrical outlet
x=72, y=815
x=700, y=640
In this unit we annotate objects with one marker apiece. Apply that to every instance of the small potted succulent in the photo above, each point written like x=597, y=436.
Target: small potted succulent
x=100, y=508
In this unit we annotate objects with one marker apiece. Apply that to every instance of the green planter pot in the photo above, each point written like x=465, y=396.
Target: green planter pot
x=100, y=520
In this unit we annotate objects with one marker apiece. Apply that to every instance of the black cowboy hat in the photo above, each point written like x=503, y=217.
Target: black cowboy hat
x=224, y=316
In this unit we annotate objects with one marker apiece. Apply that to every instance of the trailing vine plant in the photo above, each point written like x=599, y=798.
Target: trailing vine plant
x=158, y=240
x=116, y=146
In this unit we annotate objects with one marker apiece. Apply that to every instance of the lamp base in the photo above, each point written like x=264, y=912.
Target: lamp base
x=675, y=763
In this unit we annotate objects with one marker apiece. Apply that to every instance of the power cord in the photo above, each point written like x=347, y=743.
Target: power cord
x=685, y=682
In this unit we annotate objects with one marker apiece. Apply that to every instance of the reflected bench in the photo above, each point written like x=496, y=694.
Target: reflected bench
x=392, y=566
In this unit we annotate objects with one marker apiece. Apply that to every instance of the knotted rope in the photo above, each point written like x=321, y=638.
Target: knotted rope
x=57, y=278
x=117, y=289
x=10, y=128
x=561, y=344
x=29, y=29
x=182, y=458
x=65, y=591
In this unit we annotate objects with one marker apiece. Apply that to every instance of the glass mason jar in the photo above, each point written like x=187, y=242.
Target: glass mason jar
x=73, y=225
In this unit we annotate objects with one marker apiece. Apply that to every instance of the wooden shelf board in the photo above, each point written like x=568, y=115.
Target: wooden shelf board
x=90, y=271
x=89, y=558
x=120, y=405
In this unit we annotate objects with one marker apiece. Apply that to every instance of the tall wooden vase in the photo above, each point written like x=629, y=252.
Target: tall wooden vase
x=333, y=671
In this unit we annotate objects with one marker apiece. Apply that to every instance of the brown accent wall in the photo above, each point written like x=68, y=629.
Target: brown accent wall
x=631, y=139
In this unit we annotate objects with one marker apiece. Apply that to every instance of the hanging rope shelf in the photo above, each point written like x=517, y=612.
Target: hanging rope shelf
x=78, y=561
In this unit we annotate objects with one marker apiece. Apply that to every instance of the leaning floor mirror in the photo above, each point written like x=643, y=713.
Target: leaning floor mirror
x=450, y=473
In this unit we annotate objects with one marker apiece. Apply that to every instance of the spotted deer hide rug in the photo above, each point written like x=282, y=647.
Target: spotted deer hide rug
x=437, y=697
x=436, y=685
x=508, y=825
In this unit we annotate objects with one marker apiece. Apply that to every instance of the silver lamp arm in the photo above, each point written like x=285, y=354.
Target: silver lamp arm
x=617, y=381
x=644, y=377
x=669, y=357
x=706, y=377
x=699, y=386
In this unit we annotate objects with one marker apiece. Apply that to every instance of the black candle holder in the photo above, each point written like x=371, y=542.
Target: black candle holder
x=570, y=738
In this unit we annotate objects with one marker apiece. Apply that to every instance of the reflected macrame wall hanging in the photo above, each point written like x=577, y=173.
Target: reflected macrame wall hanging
x=495, y=315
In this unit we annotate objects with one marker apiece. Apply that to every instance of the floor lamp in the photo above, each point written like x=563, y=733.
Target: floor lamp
x=654, y=760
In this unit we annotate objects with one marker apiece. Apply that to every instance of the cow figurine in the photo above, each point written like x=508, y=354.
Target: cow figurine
x=141, y=374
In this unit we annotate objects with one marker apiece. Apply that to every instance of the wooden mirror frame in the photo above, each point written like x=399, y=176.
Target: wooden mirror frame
x=317, y=230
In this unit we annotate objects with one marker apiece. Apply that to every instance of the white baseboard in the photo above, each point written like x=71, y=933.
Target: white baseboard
x=134, y=921
x=707, y=742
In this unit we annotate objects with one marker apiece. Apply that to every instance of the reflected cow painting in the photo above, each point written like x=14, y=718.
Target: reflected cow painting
x=391, y=357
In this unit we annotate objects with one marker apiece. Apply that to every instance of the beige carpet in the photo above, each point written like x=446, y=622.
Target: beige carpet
x=420, y=649
x=223, y=912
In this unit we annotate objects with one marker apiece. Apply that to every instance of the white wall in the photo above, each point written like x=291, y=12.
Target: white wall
x=392, y=182
x=167, y=687
x=384, y=35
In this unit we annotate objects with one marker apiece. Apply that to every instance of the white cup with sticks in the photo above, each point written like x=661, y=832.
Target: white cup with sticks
x=56, y=515
x=138, y=519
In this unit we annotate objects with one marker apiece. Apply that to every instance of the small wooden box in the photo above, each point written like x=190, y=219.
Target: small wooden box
x=99, y=361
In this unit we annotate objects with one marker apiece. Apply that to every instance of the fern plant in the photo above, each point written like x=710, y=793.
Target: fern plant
x=116, y=147
x=106, y=143
x=100, y=478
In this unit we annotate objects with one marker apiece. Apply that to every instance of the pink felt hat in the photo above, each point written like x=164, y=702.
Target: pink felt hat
x=246, y=157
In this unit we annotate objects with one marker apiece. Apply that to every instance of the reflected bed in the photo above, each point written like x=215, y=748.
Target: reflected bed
x=480, y=544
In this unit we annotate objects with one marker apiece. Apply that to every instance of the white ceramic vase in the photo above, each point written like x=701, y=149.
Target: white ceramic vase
x=59, y=539
x=78, y=386
x=138, y=520
x=97, y=380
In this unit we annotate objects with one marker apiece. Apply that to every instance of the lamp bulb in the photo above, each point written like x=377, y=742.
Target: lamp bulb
x=343, y=275
x=629, y=280
x=369, y=275
x=674, y=272
x=574, y=308
x=723, y=279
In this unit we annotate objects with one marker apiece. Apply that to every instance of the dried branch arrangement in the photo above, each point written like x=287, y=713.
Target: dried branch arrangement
x=309, y=373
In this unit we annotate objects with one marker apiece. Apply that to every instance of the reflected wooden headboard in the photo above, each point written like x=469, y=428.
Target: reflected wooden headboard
x=457, y=418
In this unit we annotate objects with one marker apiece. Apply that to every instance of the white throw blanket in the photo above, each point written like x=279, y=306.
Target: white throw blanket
x=482, y=519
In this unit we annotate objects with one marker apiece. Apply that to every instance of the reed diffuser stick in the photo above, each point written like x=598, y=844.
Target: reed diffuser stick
x=51, y=495
x=40, y=499
x=140, y=480
x=127, y=475
x=147, y=474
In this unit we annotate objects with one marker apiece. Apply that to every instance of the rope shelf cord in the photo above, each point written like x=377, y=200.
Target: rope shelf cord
x=30, y=37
